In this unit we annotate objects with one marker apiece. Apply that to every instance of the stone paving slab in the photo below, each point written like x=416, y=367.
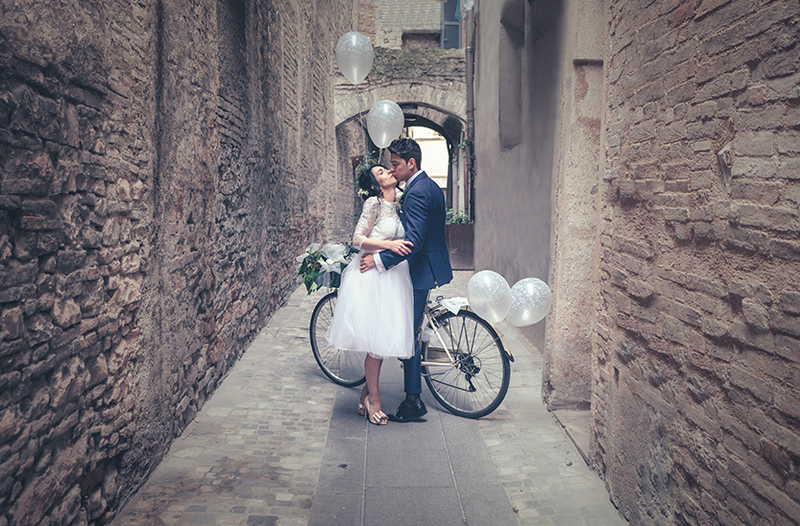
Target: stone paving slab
x=269, y=446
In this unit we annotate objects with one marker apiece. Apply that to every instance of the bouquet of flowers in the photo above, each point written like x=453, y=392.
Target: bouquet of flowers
x=322, y=266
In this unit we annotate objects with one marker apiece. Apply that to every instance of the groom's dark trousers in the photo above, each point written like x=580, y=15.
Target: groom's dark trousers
x=412, y=374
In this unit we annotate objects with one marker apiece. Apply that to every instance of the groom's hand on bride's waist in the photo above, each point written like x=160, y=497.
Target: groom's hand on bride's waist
x=367, y=262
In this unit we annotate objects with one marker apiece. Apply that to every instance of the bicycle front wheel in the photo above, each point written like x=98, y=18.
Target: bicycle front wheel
x=342, y=367
x=476, y=381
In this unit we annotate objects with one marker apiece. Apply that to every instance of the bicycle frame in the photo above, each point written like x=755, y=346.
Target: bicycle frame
x=429, y=318
x=426, y=316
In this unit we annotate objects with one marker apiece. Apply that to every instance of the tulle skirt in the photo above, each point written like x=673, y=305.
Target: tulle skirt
x=374, y=312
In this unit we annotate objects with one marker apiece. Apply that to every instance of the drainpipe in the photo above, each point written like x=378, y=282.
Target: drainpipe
x=469, y=56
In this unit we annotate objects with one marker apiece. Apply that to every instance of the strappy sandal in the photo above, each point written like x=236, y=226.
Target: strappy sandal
x=378, y=418
x=361, y=409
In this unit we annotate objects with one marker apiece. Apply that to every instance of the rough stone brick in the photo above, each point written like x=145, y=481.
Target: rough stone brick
x=725, y=40
x=765, y=117
x=702, y=130
x=12, y=323
x=674, y=214
x=633, y=247
x=787, y=324
x=790, y=301
x=758, y=387
x=673, y=132
x=789, y=169
x=713, y=328
x=785, y=249
x=682, y=93
x=755, y=314
x=753, y=167
x=684, y=313
x=640, y=290
x=66, y=313
x=785, y=62
x=763, y=19
x=757, y=192
x=703, y=213
x=777, y=497
x=753, y=144
x=707, y=286
x=788, y=142
x=775, y=218
x=702, y=179
x=741, y=332
x=642, y=132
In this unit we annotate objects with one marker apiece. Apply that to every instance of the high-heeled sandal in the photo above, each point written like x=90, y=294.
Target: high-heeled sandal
x=361, y=409
x=378, y=418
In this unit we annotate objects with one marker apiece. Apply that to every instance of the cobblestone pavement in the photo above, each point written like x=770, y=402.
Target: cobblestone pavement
x=256, y=453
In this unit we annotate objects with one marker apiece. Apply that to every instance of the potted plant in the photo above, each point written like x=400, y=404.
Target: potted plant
x=460, y=234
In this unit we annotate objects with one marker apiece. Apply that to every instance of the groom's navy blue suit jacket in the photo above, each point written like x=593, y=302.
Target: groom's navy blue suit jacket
x=423, y=216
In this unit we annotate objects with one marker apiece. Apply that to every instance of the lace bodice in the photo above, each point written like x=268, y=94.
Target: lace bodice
x=379, y=220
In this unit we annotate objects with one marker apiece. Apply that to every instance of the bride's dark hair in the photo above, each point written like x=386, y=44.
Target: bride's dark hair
x=368, y=182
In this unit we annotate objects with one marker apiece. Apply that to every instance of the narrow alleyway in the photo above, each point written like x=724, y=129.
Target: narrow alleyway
x=279, y=444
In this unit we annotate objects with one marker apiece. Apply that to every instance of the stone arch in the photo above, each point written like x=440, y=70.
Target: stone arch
x=351, y=101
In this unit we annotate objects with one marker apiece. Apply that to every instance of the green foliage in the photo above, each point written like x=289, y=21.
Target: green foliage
x=455, y=217
x=368, y=159
x=317, y=269
x=310, y=270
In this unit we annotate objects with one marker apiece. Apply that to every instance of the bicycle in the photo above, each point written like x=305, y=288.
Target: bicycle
x=465, y=363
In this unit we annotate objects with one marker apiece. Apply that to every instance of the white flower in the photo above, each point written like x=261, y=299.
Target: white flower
x=334, y=252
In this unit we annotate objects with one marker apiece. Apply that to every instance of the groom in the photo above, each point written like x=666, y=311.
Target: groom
x=423, y=214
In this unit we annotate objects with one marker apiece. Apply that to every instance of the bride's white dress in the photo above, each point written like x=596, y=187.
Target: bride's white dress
x=374, y=312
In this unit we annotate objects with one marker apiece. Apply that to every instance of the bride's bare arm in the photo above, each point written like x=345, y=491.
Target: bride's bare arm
x=401, y=247
x=369, y=215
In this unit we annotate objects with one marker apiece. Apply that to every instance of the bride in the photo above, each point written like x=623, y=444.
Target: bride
x=374, y=313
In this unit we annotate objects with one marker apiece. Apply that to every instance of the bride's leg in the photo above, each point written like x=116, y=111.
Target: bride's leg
x=364, y=392
x=372, y=370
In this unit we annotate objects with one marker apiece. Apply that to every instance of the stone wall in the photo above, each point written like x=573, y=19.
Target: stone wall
x=696, y=391
x=161, y=165
x=567, y=373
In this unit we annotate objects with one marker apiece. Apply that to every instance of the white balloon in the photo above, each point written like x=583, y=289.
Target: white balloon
x=530, y=302
x=489, y=295
x=354, y=56
x=385, y=123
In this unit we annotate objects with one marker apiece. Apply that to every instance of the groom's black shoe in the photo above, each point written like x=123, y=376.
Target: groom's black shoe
x=409, y=412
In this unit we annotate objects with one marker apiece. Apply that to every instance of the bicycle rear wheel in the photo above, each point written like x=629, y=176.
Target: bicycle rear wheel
x=342, y=367
x=478, y=381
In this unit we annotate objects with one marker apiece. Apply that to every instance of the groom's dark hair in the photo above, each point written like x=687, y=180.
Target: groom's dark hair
x=407, y=149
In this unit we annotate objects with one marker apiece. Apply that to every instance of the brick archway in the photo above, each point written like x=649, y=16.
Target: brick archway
x=433, y=80
x=436, y=103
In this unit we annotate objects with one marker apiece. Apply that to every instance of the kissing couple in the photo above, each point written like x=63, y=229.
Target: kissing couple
x=402, y=256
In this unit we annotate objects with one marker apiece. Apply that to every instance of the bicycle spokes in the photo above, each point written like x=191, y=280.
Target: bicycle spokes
x=474, y=377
